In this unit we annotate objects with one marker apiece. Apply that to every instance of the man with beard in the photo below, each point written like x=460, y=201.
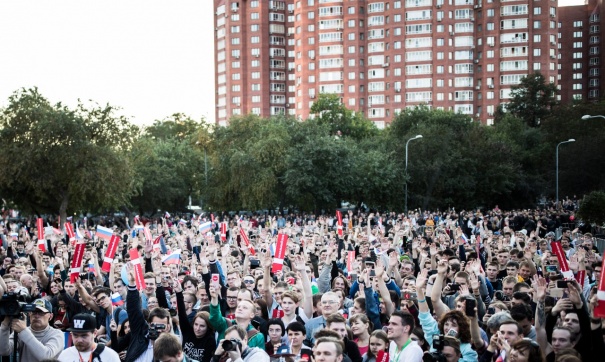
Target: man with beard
x=83, y=334
x=36, y=342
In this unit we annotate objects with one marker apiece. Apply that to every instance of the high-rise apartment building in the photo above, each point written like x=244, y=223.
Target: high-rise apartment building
x=382, y=56
x=581, y=58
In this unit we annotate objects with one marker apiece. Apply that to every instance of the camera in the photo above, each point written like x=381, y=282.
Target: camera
x=231, y=345
x=436, y=356
x=13, y=304
x=155, y=329
x=499, y=295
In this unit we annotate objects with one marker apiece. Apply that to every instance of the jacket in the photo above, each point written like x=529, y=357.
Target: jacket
x=431, y=328
x=34, y=345
x=138, y=326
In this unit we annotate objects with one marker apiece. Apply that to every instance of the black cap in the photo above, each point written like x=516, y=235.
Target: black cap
x=83, y=323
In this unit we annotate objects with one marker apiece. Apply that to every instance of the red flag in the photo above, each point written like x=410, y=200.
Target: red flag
x=280, y=253
x=70, y=230
x=212, y=218
x=110, y=253
x=138, y=269
x=223, y=231
x=557, y=249
x=382, y=356
x=339, y=216
x=599, y=310
x=350, y=260
x=41, y=240
x=76, y=262
x=242, y=234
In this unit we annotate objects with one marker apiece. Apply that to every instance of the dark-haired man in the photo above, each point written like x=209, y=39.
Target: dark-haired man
x=402, y=347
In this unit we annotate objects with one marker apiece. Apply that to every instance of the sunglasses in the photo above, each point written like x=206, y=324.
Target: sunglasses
x=248, y=281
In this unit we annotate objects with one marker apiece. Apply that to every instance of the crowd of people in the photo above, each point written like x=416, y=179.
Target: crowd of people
x=357, y=287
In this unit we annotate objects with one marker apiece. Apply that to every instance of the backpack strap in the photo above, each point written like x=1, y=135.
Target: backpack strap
x=251, y=333
x=96, y=354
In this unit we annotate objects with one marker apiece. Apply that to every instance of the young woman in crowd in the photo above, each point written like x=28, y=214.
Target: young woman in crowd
x=361, y=328
x=198, y=337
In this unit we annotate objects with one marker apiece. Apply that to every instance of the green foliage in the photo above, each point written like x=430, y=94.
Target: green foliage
x=169, y=164
x=532, y=100
x=592, y=208
x=330, y=111
x=460, y=163
x=247, y=162
x=57, y=159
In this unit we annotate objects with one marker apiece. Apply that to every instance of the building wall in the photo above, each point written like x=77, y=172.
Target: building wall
x=380, y=56
x=581, y=77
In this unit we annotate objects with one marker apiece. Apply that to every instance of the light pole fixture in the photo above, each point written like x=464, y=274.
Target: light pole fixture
x=557, y=165
x=588, y=116
x=406, y=170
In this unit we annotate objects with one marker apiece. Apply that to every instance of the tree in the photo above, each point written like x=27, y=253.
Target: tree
x=169, y=164
x=330, y=111
x=532, y=100
x=592, y=208
x=248, y=159
x=57, y=159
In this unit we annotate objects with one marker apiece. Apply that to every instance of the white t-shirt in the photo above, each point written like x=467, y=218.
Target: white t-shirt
x=71, y=355
x=411, y=353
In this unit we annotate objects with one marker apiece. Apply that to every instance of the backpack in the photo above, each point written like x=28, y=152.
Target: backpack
x=96, y=354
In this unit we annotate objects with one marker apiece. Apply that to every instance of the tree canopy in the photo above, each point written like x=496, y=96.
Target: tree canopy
x=58, y=159
x=89, y=159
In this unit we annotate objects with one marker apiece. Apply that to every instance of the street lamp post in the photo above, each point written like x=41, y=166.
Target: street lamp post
x=588, y=116
x=406, y=170
x=557, y=166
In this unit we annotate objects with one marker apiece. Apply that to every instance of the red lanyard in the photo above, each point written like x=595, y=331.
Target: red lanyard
x=94, y=347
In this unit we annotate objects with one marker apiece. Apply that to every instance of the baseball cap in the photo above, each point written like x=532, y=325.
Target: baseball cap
x=83, y=323
x=43, y=305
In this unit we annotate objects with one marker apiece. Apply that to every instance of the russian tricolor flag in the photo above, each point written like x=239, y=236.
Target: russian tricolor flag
x=182, y=222
x=463, y=237
x=104, y=233
x=91, y=268
x=116, y=299
x=174, y=258
x=205, y=227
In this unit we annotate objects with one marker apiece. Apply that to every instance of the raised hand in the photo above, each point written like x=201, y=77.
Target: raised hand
x=298, y=263
x=379, y=268
x=442, y=267
x=540, y=287
x=464, y=290
x=421, y=279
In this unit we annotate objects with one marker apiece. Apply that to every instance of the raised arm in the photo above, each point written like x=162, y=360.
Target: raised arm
x=382, y=288
x=439, y=307
x=267, y=261
x=40, y=269
x=86, y=298
x=421, y=280
x=299, y=264
x=540, y=286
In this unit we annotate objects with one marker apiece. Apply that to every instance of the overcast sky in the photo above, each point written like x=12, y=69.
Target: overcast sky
x=152, y=58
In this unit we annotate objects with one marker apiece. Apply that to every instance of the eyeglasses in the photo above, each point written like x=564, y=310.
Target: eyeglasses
x=248, y=281
x=101, y=299
x=326, y=302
